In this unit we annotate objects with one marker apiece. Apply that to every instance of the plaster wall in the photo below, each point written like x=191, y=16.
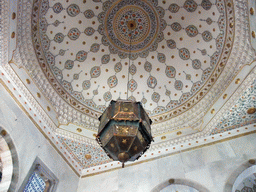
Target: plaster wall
x=30, y=143
x=209, y=167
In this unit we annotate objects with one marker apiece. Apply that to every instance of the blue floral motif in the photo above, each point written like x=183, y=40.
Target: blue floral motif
x=62, y=52
x=76, y=76
x=191, y=31
x=214, y=59
x=155, y=97
x=178, y=85
x=196, y=86
x=118, y=67
x=43, y=25
x=219, y=41
x=89, y=31
x=196, y=64
x=58, y=38
x=148, y=66
x=206, y=4
x=105, y=59
x=45, y=42
x=132, y=85
x=101, y=29
x=161, y=57
x=78, y=95
x=95, y=92
x=69, y=64
x=112, y=81
x=81, y=56
x=184, y=54
x=112, y=50
x=57, y=8
x=222, y=23
x=122, y=55
x=158, y=110
x=144, y=54
x=73, y=10
x=238, y=115
x=90, y=103
x=167, y=92
x=101, y=17
x=174, y=8
x=67, y=85
x=56, y=23
x=86, y=85
x=106, y=5
x=184, y=97
x=89, y=14
x=74, y=34
x=171, y=44
x=172, y=104
x=107, y=96
x=176, y=26
x=95, y=47
x=207, y=36
x=206, y=74
x=132, y=69
x=160, y=11
x=204, y=52
x=95, y=72
x=151, y=82
x=50, y=58
x=190, y=5
x=57, y=72
x=44, y=7
x=209, y=21
x=170, y=71
x=134, y=56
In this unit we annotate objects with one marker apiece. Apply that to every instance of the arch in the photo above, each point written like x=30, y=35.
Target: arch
x=184, y=182
x=238, y=175
x=10, y=164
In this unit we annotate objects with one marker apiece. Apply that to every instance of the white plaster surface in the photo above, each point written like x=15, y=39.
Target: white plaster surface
x=30, y=143
x=175, y=188
x=209, y=166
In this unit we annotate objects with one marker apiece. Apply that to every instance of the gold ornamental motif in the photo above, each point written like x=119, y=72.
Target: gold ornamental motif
x=251, y=110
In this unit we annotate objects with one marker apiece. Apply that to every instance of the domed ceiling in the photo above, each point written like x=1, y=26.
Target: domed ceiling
x=190, y=63
x=177, y=51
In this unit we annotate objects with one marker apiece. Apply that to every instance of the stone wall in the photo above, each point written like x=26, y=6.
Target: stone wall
x=211, y=168
x=30, y=143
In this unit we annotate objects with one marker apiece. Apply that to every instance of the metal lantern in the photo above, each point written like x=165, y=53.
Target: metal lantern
x=124, y=132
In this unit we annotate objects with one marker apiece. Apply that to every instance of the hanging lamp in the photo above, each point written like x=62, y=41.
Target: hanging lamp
x=124, y=131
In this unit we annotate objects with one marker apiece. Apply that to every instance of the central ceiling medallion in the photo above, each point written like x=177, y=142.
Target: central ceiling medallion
x=143, y=18
x=131, y=25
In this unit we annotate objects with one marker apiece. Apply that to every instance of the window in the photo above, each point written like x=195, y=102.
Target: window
x=39, y=179
x=35, y=183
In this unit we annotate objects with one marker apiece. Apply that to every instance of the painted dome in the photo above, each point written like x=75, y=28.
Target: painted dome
x=177, y=51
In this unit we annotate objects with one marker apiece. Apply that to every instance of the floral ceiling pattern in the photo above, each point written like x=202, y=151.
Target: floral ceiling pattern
x=160, y=53
x=241, y=114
